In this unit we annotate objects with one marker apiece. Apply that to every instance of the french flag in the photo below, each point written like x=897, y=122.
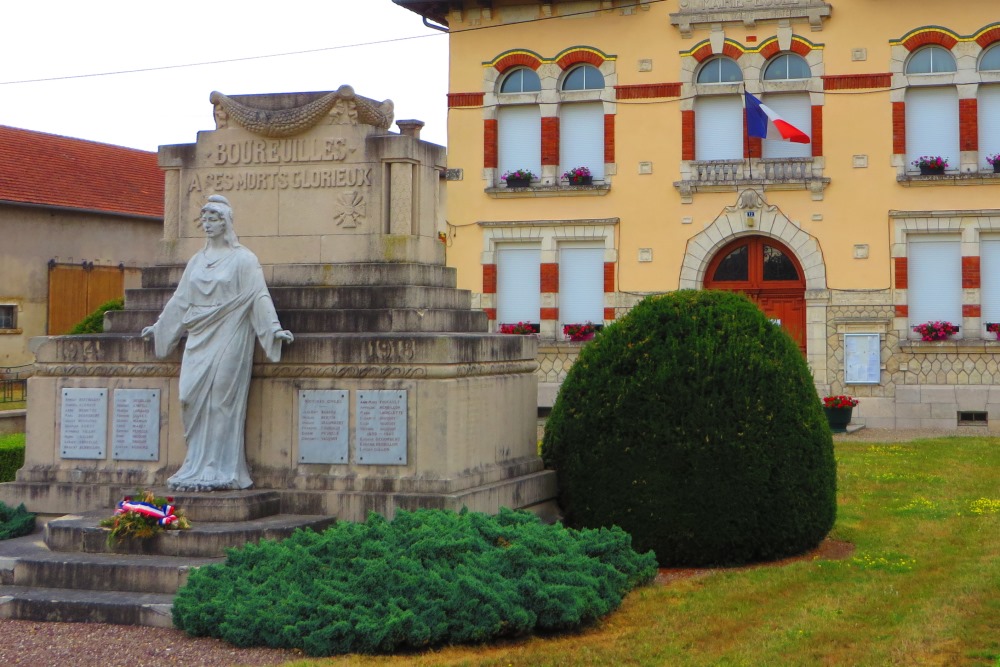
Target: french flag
x=763, y=122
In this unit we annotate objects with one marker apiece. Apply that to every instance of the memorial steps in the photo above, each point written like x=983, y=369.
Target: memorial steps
x=66, y=571
x=333, y=298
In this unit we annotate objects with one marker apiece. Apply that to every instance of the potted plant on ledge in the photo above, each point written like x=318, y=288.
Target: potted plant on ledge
x=518, y=178
x=578, y=176
x=838, y=411
x=579, y=332
x=994, y=161
x=930, y=165
x=932, y=331
x=994, y=328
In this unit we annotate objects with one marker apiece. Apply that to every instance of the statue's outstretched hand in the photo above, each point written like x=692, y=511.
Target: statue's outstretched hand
x=284, y=335
x=147, y=332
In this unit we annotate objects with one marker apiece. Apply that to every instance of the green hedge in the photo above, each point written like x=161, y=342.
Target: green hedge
x=693, y=423
x=15, y=522
x=426, y=578
x=11, y=456
x=94, y=323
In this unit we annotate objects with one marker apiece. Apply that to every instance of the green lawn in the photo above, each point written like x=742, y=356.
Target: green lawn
x=921, y=588
x=12, y=439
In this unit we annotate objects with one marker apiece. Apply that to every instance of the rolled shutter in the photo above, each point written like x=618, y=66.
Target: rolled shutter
x=519, y=284
x=797, y=110
x=581, y=285
x=934, y=279
x=932, y=124
x=989, y=123
x=581, y=137
x=989, y=270
x=520, y=138
x=718, y=128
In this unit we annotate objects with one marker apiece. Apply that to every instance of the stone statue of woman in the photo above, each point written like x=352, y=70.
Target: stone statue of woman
x=222, y=304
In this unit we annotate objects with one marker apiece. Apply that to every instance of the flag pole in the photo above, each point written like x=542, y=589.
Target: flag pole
x=746, y=130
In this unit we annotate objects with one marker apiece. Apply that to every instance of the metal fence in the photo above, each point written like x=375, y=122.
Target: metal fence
x=14, y=383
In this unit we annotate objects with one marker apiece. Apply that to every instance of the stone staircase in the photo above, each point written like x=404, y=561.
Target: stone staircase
x=67, y=572
x=324, y=299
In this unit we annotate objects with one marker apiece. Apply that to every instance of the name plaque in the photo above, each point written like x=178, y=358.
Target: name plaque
x=323, y=426
x=381, y=427
x=135, y=425
x=83, y=423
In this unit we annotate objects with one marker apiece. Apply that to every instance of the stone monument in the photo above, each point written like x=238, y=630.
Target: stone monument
x=393, y=395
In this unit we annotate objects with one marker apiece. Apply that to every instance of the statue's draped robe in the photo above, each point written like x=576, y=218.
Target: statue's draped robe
x=222, y=306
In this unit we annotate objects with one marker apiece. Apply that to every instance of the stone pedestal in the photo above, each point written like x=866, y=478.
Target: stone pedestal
x=344, y=217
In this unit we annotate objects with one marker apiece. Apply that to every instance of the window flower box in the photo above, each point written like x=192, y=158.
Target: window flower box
x=994, y=328
x=932, y=331
x=521, y=328
x=930, y=165
x=579, y=176
x=518, y=178
x=580, y=332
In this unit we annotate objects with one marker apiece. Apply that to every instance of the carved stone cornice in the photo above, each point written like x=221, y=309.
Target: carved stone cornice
x=342, y=106
x=278, y=371
x=702, y=13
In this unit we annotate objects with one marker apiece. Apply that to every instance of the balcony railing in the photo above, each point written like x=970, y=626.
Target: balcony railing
x=804, y=173
x=771, y=169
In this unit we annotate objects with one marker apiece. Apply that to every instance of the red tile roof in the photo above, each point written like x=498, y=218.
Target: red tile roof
x=47, y=169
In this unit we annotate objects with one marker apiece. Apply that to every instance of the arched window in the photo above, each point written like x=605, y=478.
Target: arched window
x=720, y=70
x=787, y=66
x=521, y=80
x=990, y=60
x=584, y=77
x=931, y=60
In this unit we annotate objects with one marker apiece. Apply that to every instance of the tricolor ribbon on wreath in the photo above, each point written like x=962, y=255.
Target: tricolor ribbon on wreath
x=164, y=514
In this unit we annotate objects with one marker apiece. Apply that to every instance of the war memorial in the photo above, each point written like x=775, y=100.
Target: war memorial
x=302, y=222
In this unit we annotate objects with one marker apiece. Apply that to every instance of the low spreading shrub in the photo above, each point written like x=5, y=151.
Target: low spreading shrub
x=423, y=579
x=15, y=522
x=693, y=423
x=11, y=456
x=94, y=323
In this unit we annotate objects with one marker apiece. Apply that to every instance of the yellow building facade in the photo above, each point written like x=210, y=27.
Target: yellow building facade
x=845, y=241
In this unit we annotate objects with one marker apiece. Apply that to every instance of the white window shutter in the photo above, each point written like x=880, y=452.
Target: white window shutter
x=989, y=123
x=581, y=137
x=520, y=138
x=519, y=283
x=934, y=279
x=989, y=270
x=718, y=128
x=581, y=285
x=795, y=109
x=932, y=124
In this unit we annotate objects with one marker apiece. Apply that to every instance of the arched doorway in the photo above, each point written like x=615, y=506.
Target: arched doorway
x=767, y=272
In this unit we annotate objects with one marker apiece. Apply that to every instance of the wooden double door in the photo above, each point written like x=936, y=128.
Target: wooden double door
x=770, y=275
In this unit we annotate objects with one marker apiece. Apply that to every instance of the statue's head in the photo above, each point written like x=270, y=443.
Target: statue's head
x=220, y=205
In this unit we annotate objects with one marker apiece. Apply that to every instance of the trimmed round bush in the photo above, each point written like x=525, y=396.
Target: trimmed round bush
x=426, y=578
x=693, y=423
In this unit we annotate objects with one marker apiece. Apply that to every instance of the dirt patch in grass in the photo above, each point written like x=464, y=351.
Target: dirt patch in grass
x=827, y=550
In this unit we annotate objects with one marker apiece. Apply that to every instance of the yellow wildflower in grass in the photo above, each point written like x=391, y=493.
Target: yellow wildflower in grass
x=985, y=506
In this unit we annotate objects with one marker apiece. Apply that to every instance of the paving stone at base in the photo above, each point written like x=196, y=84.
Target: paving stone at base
x=73, y=606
